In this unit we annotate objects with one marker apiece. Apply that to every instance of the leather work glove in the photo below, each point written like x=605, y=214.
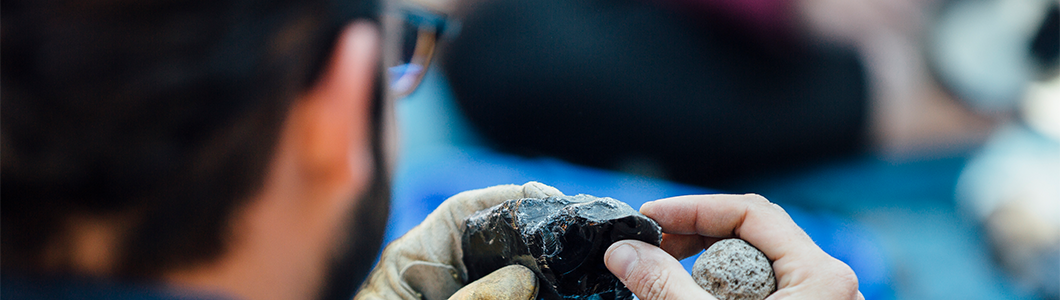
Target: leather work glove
x=427, y=262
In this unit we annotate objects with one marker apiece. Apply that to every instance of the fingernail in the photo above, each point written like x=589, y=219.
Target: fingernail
x=622, y=258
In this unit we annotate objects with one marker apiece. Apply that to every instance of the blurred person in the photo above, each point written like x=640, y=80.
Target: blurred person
x=699, y=91
x=1010, y=65
x=235, y=149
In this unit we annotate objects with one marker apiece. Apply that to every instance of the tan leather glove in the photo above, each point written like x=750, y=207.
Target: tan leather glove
x=426, y=263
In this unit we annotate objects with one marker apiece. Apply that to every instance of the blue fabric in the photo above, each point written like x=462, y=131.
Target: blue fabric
x=935, y=249
x=429, y=175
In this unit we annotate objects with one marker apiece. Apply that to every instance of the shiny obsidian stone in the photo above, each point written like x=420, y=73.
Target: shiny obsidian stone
x=562, y=239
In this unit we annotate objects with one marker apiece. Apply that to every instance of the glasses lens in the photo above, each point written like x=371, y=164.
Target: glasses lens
x=409, y=33
x=419, y=33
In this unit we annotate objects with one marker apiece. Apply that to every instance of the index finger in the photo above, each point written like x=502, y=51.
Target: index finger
x=797, y=261
x=749, y=217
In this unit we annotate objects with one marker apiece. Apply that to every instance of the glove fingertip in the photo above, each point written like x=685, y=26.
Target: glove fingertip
x=514, y=282
x=534, y=189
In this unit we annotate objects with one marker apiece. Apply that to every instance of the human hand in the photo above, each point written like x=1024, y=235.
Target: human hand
x=427, y=263
x=692, y=223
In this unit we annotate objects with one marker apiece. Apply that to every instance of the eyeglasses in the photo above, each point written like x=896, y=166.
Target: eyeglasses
x=417, y=36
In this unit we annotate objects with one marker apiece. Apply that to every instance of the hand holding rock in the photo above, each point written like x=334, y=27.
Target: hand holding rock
x=691, y=223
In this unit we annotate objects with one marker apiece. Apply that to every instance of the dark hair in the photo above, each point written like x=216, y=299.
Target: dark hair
x=165, y=113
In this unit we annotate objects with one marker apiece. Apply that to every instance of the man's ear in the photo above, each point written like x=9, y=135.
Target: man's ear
x=332, y=121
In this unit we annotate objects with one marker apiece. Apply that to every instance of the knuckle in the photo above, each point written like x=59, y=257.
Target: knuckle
x=778, y=207
x=655, y=285
x=845, y=280
x=638, y=280
x=757, y=199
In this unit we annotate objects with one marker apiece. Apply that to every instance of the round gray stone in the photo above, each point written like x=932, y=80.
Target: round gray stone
x=732, y=269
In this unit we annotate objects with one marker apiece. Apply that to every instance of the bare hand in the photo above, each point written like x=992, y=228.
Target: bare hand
x=692, y=223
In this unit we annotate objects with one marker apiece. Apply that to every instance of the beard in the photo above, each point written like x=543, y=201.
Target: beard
x=363, y=231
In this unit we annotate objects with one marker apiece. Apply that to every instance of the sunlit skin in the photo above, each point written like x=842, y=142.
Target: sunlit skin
x=692, y=223
x=280, y=243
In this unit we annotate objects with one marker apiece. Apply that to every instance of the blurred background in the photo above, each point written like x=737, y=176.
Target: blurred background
x=916, y=140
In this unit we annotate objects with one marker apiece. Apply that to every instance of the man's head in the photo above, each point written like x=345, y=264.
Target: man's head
x=205, y=143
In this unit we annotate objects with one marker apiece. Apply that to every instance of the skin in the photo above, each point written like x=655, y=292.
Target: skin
x=282, y=241
x=284, y=238
x=692, y=223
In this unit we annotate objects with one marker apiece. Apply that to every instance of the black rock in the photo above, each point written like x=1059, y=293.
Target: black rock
x=562, y=239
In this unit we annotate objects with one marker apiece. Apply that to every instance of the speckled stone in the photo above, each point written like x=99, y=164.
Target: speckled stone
x=732, y=269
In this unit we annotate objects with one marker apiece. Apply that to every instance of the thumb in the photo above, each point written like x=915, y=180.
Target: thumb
x=651, y=273
x=514, y=282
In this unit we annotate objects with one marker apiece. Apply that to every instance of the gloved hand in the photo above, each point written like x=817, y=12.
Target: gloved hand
x=426, y=263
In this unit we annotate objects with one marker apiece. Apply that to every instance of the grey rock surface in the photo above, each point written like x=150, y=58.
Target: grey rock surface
x=732, y=269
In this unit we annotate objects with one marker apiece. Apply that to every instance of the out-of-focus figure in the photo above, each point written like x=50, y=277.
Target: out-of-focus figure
x=1003, y=58
x=654, y=87
x=691, y=89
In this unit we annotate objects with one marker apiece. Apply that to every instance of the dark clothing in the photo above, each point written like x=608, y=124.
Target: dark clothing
x=605, y=82
x=16, y=287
